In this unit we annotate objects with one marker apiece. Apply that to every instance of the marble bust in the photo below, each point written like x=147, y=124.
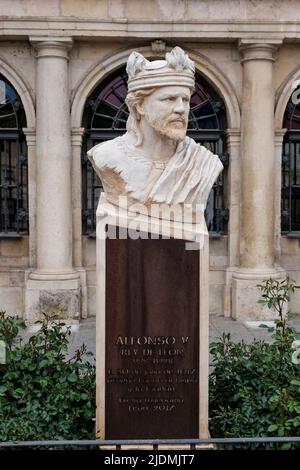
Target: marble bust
x=154, y=162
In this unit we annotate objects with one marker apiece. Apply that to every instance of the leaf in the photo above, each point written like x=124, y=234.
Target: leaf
x=43, y=363
x=72, y=378
x=272, y=427
x=44, y=382
x=18, y=393
x=295, y=382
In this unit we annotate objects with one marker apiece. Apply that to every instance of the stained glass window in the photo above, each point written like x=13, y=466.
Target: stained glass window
x=13, y=163
x=290, y=183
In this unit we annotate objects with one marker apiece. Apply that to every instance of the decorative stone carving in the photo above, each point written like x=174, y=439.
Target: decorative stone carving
x=154, y=162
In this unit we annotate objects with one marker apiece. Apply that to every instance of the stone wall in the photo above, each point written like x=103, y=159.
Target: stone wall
x=242, y=10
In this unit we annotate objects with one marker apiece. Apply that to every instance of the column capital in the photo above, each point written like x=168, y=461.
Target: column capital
x=233, y=136
x=30, y=133
x=51, y=46
x=279, y=134
x=76, y=135
x=256, y=49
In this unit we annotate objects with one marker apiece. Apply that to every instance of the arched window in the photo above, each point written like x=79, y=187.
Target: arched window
x=290, y=190
x=13, y=163
x=105, y=117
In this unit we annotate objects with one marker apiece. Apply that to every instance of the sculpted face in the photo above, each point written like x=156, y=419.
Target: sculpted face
x=167, y=110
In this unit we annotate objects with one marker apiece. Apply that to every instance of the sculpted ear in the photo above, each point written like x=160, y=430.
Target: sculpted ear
x=140, y=107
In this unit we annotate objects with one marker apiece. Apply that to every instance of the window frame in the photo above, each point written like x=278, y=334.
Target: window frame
x=14, y=223
x=291, y=137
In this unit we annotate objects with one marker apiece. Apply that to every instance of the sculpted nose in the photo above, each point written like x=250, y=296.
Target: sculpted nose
x=179, y=106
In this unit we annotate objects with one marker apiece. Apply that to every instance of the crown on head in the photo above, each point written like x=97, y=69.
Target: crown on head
x=176, y=69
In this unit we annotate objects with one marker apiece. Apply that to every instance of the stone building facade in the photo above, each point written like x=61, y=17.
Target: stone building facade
x=58, y=57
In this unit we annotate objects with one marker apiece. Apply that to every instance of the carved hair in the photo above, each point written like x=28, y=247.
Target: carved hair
x=133, y=122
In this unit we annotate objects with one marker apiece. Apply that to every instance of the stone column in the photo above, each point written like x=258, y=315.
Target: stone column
x=279, y=134
x=257, y=258
x=30, y=134
x=57, y=284
x=233, y=138
x=77, y=134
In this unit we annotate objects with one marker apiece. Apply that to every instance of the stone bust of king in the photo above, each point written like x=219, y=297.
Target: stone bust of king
x=154, y=162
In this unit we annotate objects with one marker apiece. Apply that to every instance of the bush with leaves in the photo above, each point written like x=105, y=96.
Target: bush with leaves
x=255, y=388
x=43, y=394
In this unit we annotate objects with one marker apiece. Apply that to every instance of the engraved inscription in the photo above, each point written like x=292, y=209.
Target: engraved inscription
x=151, y=365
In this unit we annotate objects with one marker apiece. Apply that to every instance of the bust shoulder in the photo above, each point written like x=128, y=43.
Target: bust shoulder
x=105, y=152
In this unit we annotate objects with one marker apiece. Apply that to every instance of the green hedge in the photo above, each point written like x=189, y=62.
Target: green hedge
x=255, y=388
x=43, y=394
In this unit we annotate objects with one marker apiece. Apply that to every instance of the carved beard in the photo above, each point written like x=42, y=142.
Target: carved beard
x=164, y=126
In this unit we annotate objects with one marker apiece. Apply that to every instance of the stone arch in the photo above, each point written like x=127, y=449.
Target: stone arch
x=283, y=95
x=221, y=84
x=113, y=62
x=22, y=89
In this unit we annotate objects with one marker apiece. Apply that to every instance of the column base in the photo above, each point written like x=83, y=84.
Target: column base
x=48, y=275
x=245, y=293
x=60, y=296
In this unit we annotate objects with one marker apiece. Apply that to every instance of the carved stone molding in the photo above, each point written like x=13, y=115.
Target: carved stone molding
x=258, y=50
x=52, y=46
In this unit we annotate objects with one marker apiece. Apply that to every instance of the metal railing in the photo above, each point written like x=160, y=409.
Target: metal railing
x=155, y=443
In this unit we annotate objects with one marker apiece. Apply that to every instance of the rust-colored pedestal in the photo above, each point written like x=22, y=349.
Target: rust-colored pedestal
x=152, y=340
x=151, y=328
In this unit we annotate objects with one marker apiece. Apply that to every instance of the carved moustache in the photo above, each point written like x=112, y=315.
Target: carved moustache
x=173, y=119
